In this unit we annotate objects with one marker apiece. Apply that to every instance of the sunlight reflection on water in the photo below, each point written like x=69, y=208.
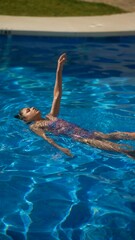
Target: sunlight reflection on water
x=44, y=194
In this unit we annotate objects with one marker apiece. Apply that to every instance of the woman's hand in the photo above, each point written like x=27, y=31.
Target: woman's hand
x=67, y=152
x=62, y=59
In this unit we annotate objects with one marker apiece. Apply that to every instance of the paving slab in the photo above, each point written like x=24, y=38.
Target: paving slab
x=119, y=24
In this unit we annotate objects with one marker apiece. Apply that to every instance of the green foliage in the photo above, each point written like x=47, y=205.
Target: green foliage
x=55, y=8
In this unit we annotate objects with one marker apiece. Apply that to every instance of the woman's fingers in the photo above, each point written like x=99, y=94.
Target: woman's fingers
x=62, y=58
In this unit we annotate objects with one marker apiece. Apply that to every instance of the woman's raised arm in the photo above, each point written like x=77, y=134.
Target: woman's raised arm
x=58, y=87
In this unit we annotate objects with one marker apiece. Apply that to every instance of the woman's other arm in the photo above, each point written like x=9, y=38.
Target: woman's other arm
x=41, y=133
x=58, y=87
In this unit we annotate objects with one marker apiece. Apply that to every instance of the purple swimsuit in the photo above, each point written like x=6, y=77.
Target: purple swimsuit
x=60, y=126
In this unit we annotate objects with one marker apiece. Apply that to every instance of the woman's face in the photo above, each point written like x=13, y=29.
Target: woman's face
x=30, y=114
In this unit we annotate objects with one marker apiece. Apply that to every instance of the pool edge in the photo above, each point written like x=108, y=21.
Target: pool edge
x=111, y=25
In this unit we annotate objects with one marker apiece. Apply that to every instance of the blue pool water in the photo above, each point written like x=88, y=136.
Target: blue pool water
x=45, y=195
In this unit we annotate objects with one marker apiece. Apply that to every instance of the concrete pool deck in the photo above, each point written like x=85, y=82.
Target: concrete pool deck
x=111, y=25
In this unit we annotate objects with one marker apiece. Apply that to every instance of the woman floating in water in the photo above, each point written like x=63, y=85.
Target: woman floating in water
x=57, y=126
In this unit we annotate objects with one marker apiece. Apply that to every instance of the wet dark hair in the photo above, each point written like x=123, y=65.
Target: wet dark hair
x=19, y=116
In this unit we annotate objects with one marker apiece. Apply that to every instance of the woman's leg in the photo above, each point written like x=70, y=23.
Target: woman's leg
x=102, y=144
x=109, y=146
x=115, y=136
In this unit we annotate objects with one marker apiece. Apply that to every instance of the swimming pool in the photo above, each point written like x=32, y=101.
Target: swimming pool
x=45, y=195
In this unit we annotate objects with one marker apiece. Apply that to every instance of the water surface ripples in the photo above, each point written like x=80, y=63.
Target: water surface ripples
x=45, y=195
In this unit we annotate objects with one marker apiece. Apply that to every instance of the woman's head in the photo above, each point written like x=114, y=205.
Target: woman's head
x=29, y=114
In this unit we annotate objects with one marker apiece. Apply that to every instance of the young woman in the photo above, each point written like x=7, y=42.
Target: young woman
x=51, y=123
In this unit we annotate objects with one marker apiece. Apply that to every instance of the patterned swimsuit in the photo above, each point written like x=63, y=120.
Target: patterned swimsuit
x=59, y=126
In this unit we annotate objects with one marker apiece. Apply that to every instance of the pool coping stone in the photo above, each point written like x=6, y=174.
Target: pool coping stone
x=110, y=25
